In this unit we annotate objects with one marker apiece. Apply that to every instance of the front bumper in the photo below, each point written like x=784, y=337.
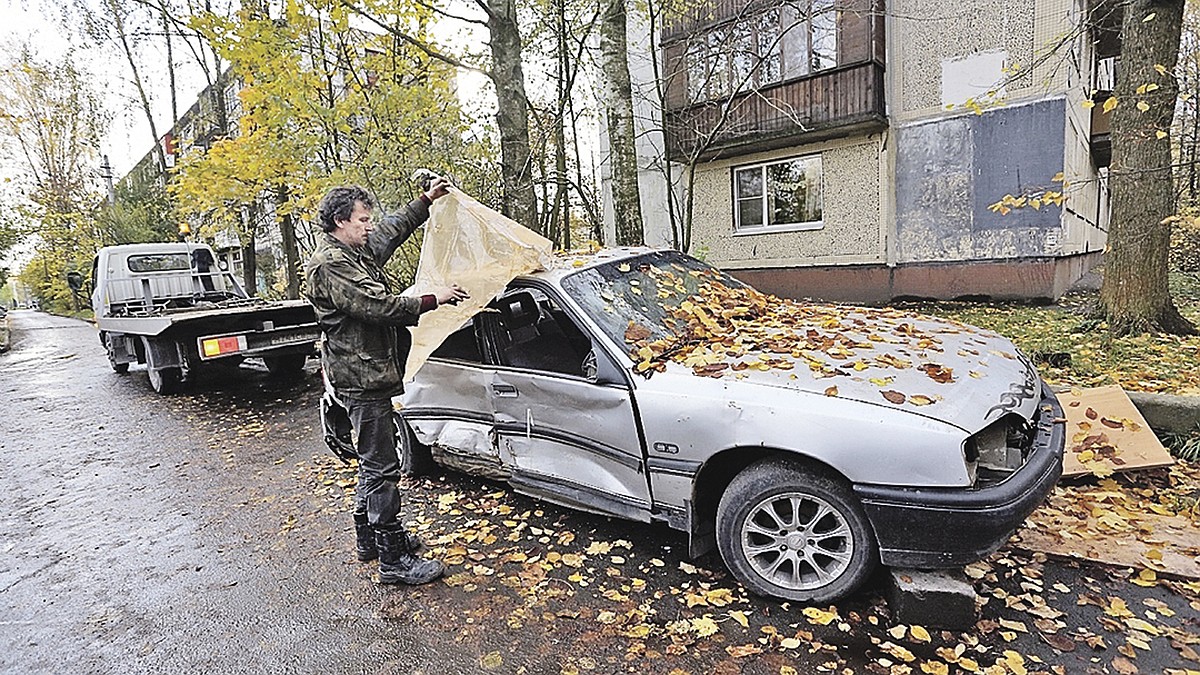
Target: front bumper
x=940, y=527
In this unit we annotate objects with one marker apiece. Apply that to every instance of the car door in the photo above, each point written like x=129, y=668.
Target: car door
x=448, y=405
x=563, y=435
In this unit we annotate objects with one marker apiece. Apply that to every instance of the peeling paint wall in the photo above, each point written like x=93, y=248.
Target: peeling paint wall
x=851, y=211
x=949, y=171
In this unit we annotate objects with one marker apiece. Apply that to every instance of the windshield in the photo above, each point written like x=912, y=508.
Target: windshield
x=649, y=297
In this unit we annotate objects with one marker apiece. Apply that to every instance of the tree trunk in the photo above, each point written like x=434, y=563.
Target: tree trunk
x=561, y=222
x=1135, y=295
x=618, y=100
x=250, y=252
x=119, y=25
x=512, y=115
x=287, y=231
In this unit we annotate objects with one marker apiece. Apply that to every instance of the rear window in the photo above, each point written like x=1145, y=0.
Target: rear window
x=159, y=262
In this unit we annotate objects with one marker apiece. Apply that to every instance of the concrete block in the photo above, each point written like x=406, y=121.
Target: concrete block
x=937, y=598
x=1167, y=412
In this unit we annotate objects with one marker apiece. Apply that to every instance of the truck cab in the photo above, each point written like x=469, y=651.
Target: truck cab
x=138, y=278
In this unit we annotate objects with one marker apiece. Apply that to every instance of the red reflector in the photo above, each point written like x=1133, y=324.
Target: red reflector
x=227, y=344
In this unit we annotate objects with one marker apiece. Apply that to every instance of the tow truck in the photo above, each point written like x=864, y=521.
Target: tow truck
x=173, y=308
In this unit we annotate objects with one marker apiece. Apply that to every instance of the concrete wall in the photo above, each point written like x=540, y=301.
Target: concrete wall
x=851, y=211
x=943, y=53
x=952, y=163
x=949, y=171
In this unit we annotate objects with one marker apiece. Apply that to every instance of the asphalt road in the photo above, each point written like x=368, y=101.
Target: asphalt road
x=209, y=532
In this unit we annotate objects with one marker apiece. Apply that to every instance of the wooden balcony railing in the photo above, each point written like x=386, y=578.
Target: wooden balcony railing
x=838, y=101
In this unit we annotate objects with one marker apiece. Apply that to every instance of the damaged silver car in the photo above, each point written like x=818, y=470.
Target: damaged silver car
x=806, y=442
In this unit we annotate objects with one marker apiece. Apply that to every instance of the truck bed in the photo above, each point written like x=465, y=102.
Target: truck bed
x=246, y=315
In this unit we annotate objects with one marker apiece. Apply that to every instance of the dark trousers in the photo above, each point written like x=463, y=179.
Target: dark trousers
x=378, y=467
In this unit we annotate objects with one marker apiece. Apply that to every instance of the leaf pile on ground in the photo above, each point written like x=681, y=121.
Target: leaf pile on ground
x=607, y=596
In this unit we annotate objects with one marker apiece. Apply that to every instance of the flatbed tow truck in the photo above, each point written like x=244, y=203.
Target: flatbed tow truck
x=169, y=306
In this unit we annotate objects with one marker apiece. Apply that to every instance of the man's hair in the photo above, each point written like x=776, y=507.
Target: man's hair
x=338, y=204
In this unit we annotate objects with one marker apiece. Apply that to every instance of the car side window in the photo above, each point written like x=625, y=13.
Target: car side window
x=461, y=345
x=534, y=333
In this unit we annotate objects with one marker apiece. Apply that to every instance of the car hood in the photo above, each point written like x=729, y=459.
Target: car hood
x=939, y=368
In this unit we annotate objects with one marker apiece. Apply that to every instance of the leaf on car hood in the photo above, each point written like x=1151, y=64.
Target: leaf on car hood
x=721, y=330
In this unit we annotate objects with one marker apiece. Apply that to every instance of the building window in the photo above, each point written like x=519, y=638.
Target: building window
x=778, y=196
x=786, y=42
x=233, y=109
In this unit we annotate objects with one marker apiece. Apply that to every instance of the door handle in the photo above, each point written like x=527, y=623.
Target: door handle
x=504, y=390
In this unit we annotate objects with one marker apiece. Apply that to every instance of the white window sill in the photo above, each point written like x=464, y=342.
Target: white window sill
x=773, y=229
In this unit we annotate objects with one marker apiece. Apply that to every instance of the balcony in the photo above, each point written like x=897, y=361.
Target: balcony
x=747, y=77
x=839, y=102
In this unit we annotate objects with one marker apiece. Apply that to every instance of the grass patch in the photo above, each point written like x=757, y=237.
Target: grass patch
x=1185, y=446
x=1072, y=347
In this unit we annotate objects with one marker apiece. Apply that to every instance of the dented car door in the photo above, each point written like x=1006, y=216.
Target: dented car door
x=562, y=436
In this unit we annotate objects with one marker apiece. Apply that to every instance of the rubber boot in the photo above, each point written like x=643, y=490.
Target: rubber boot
x=397, y=565
x=364, y=538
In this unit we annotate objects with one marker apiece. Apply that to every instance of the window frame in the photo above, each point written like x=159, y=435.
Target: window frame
x=765, y=228
x=716, y=58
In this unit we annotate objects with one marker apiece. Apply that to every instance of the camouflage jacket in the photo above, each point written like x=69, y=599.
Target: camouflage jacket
x=364, y=341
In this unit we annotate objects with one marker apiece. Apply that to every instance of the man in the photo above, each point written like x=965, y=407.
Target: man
x=364, y=346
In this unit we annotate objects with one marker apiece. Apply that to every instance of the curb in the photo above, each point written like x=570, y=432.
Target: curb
x=1168, y=412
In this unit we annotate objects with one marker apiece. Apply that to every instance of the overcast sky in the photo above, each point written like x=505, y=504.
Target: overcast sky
x=128, y=138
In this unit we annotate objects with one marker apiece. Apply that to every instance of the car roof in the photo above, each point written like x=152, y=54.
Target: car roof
x=565, y=263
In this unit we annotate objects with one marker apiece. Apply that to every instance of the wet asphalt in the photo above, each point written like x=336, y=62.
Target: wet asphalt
x=209, y=532
x=134, y=540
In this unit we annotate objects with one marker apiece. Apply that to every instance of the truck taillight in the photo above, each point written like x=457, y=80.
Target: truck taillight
x=224, y=345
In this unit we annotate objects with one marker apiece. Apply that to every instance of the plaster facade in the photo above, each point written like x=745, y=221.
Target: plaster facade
x=851, y=205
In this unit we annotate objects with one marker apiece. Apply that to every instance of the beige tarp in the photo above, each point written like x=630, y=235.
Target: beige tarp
x=468, y=244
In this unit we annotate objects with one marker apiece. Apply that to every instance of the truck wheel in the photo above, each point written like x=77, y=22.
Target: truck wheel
x=165, y=380
x=415, y=457
x=792, y=532
x=120, y=368
x=285, y=366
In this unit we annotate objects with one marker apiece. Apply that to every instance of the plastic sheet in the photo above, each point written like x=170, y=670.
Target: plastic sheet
x=468, y=244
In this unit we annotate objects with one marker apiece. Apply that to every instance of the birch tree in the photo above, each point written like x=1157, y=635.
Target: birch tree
x=618, y=100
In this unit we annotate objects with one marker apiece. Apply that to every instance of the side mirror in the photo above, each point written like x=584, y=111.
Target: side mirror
x=75, y=281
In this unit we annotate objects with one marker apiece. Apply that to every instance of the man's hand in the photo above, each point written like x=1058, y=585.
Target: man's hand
x=437, y=188
x=450, y=295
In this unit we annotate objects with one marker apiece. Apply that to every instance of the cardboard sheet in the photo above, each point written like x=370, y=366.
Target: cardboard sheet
x=1166, y=544
x=1107, y=434
x=468, y=244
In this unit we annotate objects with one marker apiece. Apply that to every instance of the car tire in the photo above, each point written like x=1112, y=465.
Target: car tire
x=119, y=368
x=165, y=380
x=416, y=459
x=286, y=366
x=796, y=532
